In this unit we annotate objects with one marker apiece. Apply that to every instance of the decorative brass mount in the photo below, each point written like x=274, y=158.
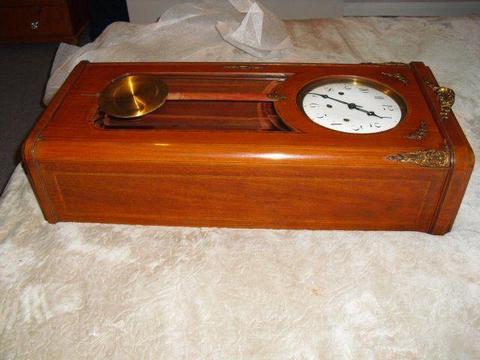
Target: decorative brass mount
x=420, y=133
x=395, y=63
x=445, y=96
x=396, y=76
x=242, y=67
x=386, y=63
x=276, y=96
x=431, y=158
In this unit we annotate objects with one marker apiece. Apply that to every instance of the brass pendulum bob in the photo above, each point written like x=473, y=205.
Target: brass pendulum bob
x=132, y=96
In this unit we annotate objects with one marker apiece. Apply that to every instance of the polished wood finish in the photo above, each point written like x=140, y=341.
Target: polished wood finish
x=42, y=20
x=231, y=147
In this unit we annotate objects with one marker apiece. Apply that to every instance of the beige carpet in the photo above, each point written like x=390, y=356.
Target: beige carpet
x=90, y=291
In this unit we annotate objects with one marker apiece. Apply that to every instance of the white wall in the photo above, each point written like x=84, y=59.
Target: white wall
x=304, y=9
x=146, y=11
x=411, y=7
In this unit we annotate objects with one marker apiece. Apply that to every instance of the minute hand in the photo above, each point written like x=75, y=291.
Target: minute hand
x=350, y=105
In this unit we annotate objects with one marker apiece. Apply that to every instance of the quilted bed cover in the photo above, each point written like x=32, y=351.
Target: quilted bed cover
x=97, y=291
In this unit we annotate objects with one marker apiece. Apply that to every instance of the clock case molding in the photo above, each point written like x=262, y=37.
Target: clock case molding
x=232, y=147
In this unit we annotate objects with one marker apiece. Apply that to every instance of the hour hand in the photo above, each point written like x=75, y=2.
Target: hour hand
x=372, y=113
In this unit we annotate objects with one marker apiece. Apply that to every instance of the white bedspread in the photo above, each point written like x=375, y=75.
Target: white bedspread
x=85, y=291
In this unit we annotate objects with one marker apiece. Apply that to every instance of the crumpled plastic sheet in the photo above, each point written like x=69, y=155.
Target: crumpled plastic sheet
x=210, y=30
x=259, y=32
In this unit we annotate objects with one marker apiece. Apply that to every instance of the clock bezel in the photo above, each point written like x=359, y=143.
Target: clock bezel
x=384, y=88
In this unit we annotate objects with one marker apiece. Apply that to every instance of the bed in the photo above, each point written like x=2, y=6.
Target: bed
x=83, y=291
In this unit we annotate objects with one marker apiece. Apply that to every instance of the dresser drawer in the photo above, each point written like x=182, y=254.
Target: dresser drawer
x=33, y=21
x=42, y=20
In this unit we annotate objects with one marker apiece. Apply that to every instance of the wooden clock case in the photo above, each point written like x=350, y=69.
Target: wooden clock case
x=232, y=147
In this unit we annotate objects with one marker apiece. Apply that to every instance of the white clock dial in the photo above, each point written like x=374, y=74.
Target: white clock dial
x=352, y=107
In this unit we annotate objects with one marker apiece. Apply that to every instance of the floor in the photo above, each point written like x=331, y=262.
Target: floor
x=24, y=70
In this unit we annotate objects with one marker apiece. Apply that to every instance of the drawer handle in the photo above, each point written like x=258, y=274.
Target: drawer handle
x=35, y=25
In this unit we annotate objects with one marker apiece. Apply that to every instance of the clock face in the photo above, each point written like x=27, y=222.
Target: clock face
x=352, y=106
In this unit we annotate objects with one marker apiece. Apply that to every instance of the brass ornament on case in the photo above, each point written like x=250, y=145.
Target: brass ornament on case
x=420, y=133
x=385, y=63
x=131, y=96
x=275, y=96
x=446, y=98
x=242, y=67
x=431, y=158
x=395, y=63
x=396, y=76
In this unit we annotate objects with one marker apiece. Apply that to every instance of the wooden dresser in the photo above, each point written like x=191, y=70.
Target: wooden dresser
x=42, y=20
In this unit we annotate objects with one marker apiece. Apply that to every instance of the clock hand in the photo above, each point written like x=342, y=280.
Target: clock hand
x=372, y=113
x=350, y=105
